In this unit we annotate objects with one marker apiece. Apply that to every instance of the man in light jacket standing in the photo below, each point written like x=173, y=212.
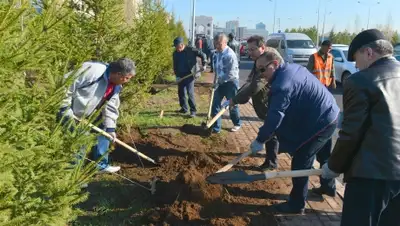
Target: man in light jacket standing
x=97, y=86
x=368, y=148
x=226, y=68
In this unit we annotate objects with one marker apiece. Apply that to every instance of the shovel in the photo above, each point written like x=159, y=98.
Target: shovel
x=204, y=124
x=225, y=107
x=234, y=162
x=241, y=177
x=177, y=82
x=116, y=140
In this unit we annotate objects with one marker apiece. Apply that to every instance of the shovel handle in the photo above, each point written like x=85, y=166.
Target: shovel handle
x=116, y=140
x=234, y=162
x=294, y=173
x=216, y=117
x=180, y=80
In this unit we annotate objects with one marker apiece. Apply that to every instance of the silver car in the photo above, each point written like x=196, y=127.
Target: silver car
x=343, y=68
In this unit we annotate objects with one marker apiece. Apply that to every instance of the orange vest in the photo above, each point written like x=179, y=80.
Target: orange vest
x=323, y=70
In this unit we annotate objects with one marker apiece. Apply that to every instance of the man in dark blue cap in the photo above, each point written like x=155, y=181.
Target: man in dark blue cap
x=368, y=148
x=185, y=63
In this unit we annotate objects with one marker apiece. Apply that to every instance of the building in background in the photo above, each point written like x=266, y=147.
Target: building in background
x=260, y=26
x=241, y=32
x=204, y=25
x=232, y=27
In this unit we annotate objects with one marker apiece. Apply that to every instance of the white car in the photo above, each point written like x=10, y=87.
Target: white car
x=343, y=68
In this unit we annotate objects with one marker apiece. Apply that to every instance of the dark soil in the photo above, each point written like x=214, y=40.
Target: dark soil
x=183, y=197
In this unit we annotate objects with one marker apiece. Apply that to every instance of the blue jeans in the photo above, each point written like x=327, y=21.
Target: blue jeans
x=187, y=86
x=371, y=202
x=227, y=90
x=100, y=149
x=304, y=157
x=272, y=148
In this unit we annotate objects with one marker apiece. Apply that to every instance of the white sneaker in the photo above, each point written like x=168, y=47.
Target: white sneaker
x=235, y=128
x=110, y=169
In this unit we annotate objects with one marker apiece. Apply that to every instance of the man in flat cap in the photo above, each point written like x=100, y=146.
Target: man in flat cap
x=185, y=63
x=368, y=148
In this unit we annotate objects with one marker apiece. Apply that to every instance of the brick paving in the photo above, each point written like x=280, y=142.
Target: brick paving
x=326, y=212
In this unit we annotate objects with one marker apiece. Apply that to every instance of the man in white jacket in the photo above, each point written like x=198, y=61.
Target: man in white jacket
x=98, y=84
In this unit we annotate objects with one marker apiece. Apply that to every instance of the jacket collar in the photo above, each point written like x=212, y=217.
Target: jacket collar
x=383, y=60
x=106, y=76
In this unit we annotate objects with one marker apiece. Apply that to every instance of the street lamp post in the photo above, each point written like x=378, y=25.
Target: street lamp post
x=369, y=10
x=193, y=22
x=319, y=4
x=273, y=26
x=323, y=24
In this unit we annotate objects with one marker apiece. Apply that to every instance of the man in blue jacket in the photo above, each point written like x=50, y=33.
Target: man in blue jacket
x=303, y=115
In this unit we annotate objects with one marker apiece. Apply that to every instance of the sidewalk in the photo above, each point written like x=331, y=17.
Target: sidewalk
x=326, y=212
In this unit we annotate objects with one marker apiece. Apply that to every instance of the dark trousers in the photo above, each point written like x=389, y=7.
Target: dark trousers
x=272, y=149
x=370, y=202
x=319, y=146
x=227, y=90
x=187, y=87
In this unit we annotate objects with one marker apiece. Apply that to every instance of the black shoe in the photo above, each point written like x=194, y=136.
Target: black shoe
x=266, y=166
x=192, y=114
x=321, y=191
x=182, y=111
x=285, y=208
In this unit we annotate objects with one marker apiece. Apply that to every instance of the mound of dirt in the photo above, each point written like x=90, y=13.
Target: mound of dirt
x=197, y=188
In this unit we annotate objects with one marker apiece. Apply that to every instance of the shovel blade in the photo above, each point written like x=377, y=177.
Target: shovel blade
x=230, y=177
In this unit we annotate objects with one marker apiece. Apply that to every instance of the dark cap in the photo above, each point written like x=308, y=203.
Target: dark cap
x=363, y=38
x=177, y=41
x=326, y=43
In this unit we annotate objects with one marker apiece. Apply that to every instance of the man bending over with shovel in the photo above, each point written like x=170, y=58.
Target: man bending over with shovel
x=226, y=67
x=185, y=63
x=257, y=89
x=303, y=115
x=96, y=85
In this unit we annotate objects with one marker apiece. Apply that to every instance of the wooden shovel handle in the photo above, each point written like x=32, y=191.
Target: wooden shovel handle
x=234, y=162
x=116, y=140
x=294, y=173
x=216, y=117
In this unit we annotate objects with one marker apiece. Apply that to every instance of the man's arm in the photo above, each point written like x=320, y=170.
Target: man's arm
x=356, y=109
x=202, y=56
x=249, y=89
x=333, y=84
x=110, y=113
x=310, y=64
x=279, y=102
x=174, y=62
x=79, y=78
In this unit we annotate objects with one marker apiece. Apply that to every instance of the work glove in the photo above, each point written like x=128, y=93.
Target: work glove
x=113, y=136
x=328, y=173
x=256, y=147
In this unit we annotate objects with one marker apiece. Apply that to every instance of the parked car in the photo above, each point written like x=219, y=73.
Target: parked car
x=343, y=68
x=294, y=47
x=397, y=49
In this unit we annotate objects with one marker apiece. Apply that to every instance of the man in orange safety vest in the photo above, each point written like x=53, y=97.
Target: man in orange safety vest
x=321, y=65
